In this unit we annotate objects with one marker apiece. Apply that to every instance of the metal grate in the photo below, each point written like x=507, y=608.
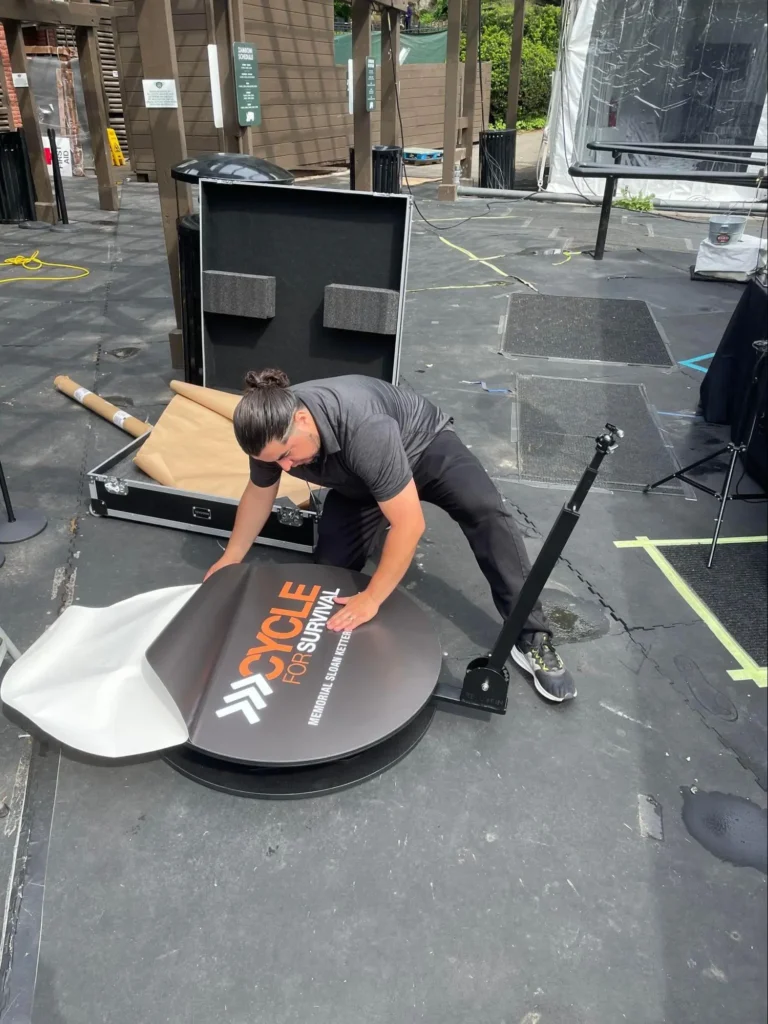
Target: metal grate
x=566, y=327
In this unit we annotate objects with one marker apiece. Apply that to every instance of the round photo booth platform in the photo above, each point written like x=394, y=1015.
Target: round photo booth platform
x=277, y=705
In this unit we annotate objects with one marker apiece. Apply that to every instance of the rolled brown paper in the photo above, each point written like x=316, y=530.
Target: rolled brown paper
x=101, y=407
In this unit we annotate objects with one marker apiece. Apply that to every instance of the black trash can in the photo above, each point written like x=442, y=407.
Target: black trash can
x=224, y=167
x=17, y=188
x=497, y=159
x=387, y=169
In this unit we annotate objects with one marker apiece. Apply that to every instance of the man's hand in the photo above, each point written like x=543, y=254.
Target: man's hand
x=224, y=560
x=357, y=609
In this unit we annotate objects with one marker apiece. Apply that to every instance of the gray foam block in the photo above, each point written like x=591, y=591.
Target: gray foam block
x=369, y=310
x=239, y=294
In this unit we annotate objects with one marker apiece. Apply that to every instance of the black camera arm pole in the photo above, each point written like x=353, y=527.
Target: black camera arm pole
x=486, y=680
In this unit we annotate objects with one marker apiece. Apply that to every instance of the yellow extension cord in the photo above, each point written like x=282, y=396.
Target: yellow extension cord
x=33, y=264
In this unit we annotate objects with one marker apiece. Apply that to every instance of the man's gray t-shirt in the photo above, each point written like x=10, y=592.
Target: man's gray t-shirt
x=371, y=435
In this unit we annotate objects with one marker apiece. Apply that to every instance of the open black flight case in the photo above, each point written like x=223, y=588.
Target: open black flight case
x=310, y=280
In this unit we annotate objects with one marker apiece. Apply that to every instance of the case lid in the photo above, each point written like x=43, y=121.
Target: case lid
x=312, y=281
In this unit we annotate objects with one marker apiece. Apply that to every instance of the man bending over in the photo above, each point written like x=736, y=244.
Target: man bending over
x=382, y=450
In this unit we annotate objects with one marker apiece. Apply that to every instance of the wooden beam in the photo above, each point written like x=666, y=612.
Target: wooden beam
x=363, y=141
x=467, y=120
x=44, y=205
x=393, y=5
x=515, y=61
x=447, y=190
x=390, y=62
x=96, y=111
x=54, y=12
x=237, y=33
x=158, y=60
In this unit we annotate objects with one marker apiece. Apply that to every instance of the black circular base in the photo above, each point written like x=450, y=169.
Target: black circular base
x=28, y=522
x=303, y=781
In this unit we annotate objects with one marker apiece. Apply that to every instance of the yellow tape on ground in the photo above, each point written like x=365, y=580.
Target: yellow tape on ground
x=643, y=542
x=475, y=259
x=748, y=669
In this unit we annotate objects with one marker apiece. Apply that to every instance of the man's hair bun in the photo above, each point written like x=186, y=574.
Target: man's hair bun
x=261, y=379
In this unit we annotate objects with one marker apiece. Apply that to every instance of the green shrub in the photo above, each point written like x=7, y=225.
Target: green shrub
x=538, y=63
x=642, y=201
x=542, y=25
x=494, y=47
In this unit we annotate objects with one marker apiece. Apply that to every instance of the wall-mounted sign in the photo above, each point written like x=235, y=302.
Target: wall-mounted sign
x=20, y=80
x=246, y=84
x=160, y=93
x=370, y=84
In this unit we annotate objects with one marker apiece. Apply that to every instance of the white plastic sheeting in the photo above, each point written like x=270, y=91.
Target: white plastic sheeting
x=645, y=71
x=86, y=681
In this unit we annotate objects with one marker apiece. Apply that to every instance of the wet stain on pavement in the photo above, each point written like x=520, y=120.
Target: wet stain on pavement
x=730, y=827
x=573, y=619
x=123, y=353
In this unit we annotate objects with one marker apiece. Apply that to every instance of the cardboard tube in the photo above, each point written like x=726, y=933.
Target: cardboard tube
x=130, y=424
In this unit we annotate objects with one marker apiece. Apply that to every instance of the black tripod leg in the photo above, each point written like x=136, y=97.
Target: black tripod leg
x=692, y=465
x=6, y=496
x=723, y=499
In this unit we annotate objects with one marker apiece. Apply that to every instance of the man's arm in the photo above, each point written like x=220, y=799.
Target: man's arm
x=252, y=513
x=407, y=525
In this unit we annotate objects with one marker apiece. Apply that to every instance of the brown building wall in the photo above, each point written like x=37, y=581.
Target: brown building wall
x=305, y=120
x=9, y=104
x=303, y=106
x=422, y=103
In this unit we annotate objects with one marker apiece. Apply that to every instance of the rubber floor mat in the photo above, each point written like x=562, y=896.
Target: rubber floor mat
x=567, y=327
x=558, y=420
x=735, y=589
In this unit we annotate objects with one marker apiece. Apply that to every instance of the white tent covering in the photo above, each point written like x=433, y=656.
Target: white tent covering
x=646, y=71
x=86, y=681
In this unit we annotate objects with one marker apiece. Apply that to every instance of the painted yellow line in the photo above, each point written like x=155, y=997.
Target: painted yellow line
x=473, y=257
x=643, y=542
x=503, y=216
x=760, y=676
x=748, y=668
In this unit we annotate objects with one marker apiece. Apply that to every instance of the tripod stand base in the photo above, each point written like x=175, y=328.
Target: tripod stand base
x=28, y=522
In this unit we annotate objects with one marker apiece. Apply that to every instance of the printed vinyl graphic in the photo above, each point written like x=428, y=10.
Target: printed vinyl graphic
x=259, y=679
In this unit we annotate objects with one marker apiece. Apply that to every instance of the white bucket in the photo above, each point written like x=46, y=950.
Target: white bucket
x=725, y=228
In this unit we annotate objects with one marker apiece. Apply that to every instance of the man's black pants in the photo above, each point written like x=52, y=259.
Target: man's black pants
x=450, y=476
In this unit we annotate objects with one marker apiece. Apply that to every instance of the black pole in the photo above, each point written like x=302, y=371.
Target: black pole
x=31, y=191
x=6, y=496
x=605, y=216
x=58, y=185
x=485, y=682
x=550, y=553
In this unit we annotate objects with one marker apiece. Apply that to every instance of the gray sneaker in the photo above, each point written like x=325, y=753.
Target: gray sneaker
x=536, y=655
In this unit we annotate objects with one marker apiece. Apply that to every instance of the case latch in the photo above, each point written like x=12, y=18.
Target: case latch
x=115, y=486
x=289, y=516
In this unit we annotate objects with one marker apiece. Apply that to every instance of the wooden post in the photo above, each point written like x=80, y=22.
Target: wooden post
x=390, y=58
x=96, y=110
x=157, y=46
x=470, y=82
x=361, y=48
x=44, y=206
x=217, y=13
x=236, y=15
x=447, y=190
x=515, y=61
